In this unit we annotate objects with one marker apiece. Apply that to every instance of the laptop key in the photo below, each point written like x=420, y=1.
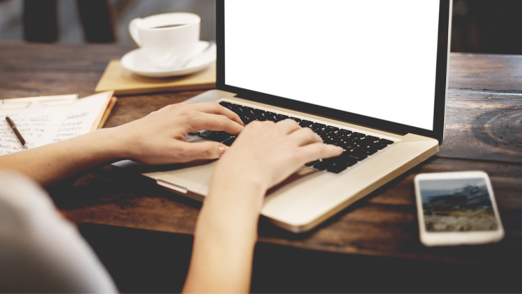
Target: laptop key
x=346, y=158
x=312, y=163
x=281, y=117
x=322, y=165
x=219, y=136
x=226, y=104
x=331, y=129
x=306, y=124
x=344, y=133
x=370, y=150
x=332, y=165
x=372, y=139
x=260, y=115
x=229, y=141
x=357, y=146
x=387, y=142
x=357, y=153
x=383, y=143
x=330, y=140
x=337, y=167
x=271, y=116
x=298, y=120
x=319, y=128
x=238, y=109
x=357, y=135
x=205, y=134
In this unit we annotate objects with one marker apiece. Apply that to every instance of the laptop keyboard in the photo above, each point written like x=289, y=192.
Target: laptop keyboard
x=357, y=146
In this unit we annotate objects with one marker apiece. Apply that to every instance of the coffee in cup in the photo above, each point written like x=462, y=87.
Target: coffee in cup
x=168, y=40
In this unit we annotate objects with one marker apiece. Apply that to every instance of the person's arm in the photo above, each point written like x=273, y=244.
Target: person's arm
x=154, y=139
x=263, y=155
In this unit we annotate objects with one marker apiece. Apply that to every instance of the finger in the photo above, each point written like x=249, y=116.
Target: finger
x=316, y=151
x=288, y=126
x=305, y=136
x=216, y=108
x=201, y=151
x=215, y=122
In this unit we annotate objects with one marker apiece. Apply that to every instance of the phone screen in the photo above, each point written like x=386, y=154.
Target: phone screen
x=462, y=204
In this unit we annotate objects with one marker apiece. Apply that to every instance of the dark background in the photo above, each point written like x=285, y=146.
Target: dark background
x=479, y=26
x=487, y=26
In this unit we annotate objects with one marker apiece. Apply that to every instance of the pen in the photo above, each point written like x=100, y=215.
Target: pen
x=17, y=133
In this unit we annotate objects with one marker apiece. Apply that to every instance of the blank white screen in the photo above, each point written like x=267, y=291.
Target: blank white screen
x=375, y=58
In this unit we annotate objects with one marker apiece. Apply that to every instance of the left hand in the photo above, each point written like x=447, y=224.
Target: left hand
x=158, y=137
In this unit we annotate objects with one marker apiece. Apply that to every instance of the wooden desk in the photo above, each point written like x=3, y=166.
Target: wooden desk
x=483, y=132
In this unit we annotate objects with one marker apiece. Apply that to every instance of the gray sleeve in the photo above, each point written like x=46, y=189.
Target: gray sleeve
x=40, y=251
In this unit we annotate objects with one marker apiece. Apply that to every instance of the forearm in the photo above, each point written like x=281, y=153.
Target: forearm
x=224, y=241
x=154, y=139
x=221, y=262
x=55, y=162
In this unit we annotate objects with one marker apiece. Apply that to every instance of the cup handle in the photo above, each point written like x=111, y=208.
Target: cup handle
x=133, y=30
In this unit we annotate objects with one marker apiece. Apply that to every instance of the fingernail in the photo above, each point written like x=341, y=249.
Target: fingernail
x=222, y=150
x=341, y=150
x=320, y=139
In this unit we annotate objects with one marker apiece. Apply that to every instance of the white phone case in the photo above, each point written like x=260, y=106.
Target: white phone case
x=473, y=223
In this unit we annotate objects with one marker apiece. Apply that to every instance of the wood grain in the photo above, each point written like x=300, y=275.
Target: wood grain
x=483, y=125
x=382, y=224
x=485, y=72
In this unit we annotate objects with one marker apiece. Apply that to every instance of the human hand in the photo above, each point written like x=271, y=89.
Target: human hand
x=266, y=153
x=263, y=155
x=158, y=137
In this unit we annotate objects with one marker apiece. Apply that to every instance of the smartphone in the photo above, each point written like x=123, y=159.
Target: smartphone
x=457, y=208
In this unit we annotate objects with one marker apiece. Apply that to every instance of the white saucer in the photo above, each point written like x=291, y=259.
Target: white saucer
x=136, y=62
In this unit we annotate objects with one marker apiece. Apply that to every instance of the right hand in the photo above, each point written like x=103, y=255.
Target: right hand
x=263, y=155
x=266, y=153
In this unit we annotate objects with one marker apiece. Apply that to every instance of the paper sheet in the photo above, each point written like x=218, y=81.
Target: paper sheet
x=44, y=125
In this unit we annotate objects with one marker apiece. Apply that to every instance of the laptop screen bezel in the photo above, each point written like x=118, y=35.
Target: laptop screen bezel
x=443, y=45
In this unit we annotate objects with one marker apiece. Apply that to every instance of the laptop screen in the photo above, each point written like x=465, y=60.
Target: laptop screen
x=377, y=60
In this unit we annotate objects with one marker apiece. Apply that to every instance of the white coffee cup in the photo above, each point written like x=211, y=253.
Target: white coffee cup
x=168, y=40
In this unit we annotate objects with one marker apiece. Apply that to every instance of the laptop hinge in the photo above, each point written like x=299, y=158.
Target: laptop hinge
x=171, y=186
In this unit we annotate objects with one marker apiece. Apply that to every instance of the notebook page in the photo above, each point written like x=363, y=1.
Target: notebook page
x=82, y=116
x=37, y=126
x=44, y=125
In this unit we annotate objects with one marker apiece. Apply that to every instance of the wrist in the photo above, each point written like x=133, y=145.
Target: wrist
x=231, y=208
x=116, y=143
x=245, y=189
x=108, y=145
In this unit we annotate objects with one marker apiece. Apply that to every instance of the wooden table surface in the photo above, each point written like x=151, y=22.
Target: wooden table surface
x=483, y=132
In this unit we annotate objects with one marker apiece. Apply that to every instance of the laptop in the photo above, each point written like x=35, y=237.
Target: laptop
x=369, y=75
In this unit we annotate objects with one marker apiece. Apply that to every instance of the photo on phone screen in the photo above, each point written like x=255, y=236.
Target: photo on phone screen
x=457, y=205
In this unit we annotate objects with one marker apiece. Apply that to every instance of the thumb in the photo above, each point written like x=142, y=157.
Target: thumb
x=203, y=150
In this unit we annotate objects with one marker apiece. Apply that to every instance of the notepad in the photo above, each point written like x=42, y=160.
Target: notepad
x=49, y=119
